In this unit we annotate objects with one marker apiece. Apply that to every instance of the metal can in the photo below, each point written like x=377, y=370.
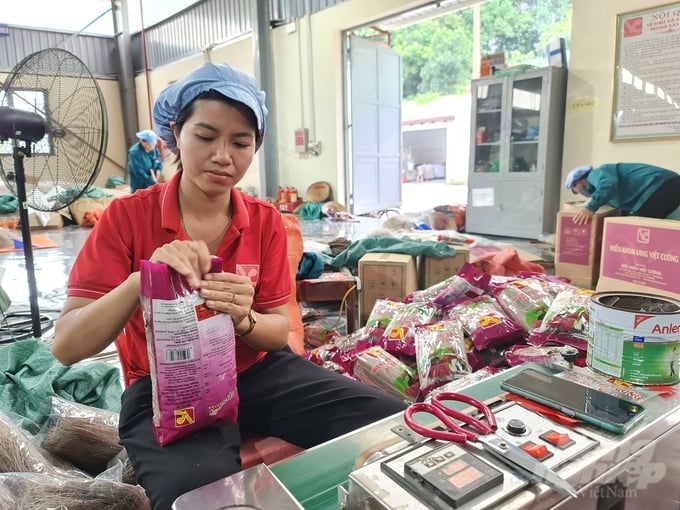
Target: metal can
x=635, y=337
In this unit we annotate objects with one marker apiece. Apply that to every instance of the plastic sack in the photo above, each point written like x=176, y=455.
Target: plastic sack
x=399, y=335
x=569, y=314
x=21, y=453
x=31, y=491
x=85, y=436
x=191, y=355
x=468, y=283
x=440, y=354
x=521, y=353
x=385, y=372
x=465, y=381
x=525, y=301
x=485, y=323
x=382, y=313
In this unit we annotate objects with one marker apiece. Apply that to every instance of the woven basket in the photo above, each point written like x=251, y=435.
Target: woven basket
x=318, y=192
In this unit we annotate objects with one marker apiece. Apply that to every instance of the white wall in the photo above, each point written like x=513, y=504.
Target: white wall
x=308, y=90
x=238, y=54
x=591, y=81
x=308, y=85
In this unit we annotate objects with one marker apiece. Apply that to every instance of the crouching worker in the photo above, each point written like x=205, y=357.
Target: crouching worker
x=213, y=120
x=636, y=189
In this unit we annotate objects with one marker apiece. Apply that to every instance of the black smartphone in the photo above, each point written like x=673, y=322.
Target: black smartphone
x=606, y=411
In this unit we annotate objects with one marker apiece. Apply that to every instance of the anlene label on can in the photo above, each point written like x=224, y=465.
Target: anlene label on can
x=635, y=337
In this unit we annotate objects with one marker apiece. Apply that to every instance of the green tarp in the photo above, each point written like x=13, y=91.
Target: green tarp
x=379, y=244
x=30, y=376
x=8, y=204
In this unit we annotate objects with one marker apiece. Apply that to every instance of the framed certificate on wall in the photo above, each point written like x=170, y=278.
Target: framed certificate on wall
x=646, y=101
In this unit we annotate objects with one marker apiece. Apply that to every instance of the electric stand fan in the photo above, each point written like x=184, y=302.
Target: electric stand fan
x=53, y=135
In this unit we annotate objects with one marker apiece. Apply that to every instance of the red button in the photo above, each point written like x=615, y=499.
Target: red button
x=537, y=451
x=558, y=439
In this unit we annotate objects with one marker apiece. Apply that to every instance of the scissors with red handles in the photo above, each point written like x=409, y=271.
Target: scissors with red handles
x=481, y=434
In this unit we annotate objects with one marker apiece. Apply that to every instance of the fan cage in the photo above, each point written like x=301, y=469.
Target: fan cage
x=56, y=85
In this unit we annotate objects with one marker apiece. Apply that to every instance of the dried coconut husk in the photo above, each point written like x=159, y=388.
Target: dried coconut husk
x=19, y=453
x=33, y=491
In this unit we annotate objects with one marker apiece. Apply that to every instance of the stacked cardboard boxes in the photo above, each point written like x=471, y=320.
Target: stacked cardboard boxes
x=641, y=255
x=577, y=247
x=432, y=270
x=385, y=275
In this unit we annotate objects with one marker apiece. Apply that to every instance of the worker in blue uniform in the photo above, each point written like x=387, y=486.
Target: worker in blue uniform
x=144, y=161
x=636, y=189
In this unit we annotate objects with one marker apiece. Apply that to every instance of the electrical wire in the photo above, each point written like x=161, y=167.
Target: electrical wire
x=343, y=305
x=15, y=326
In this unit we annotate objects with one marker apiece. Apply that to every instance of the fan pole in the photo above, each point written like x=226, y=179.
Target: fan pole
x=19, y=154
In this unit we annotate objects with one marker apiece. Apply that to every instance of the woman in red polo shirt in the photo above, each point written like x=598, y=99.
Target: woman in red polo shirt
x=213, y=119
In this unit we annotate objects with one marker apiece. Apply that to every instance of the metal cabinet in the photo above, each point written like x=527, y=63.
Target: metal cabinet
x=516, y=153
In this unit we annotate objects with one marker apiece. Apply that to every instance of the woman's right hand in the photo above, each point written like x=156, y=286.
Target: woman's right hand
x=191, y=259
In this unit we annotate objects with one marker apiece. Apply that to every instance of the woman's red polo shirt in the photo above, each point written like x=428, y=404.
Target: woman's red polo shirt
x=133, y=226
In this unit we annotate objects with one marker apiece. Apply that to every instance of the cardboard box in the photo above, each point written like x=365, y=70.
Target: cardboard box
x=385, y=275
x=489, y=64
x=44, y=220
x=641, y=255
x=432, y=270
x=577, y=247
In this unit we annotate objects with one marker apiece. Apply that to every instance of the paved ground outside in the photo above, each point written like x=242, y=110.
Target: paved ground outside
x=421, y=197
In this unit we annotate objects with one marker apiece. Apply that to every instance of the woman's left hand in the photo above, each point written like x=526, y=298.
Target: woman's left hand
x=228, y=293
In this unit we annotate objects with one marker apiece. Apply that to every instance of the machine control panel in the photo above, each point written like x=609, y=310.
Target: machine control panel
x=439, y=475
x=541, y=438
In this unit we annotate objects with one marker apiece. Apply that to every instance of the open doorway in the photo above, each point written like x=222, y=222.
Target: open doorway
x=440, y=46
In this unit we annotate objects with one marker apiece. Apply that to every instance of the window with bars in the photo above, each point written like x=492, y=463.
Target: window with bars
x=31, y=101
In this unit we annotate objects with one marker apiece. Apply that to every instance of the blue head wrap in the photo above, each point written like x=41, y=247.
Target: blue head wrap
x=147, y=136
x=221, y=78
x=577, y=174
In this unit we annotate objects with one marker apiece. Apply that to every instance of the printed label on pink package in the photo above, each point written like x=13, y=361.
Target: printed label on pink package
x=643, y=255
x=191, y=356
x=574, y=241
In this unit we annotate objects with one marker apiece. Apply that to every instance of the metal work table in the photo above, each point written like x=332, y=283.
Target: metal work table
x=639, y=469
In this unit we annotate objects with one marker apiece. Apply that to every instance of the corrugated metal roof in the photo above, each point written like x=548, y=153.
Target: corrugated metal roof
x=188, y=32
x=96, y=52
x=191, y=31
x=282, y=10
x=207, y=23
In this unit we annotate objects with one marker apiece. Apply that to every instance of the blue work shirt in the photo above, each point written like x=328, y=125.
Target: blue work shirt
x=625, y=186
x=140, y=163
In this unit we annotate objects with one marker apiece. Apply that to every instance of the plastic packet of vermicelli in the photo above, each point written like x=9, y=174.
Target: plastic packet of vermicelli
x=191, y=355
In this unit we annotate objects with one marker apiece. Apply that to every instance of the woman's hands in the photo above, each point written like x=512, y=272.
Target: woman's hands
x=228, y=293
x=191, y=259
x=224, y=292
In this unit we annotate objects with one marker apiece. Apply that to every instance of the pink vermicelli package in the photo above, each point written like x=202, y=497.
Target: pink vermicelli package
x=485, y=323
x=440, y=354
x=191, y=355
